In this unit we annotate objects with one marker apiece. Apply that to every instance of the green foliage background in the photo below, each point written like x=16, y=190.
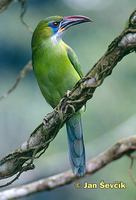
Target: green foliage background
x=110, y=115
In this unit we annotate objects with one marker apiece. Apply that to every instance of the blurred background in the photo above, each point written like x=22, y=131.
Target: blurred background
x=110, y=115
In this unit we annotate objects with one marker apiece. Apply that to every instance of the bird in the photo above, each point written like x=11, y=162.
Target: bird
x=57, y=70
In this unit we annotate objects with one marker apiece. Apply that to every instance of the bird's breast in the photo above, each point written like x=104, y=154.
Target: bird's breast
x=55, y=73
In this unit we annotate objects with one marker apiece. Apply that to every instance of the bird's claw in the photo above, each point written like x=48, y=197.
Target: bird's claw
x=68, y=93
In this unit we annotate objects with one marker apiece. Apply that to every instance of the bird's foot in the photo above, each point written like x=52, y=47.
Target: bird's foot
x=68, y=93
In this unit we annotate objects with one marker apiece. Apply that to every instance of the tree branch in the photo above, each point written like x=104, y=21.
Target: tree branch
x=28, y=67
x=121, y=148
x=40, y=139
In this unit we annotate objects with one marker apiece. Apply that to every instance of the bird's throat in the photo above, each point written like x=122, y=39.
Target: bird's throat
x=55, y=38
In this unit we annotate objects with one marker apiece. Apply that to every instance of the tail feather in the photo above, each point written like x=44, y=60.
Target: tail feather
x=76, y=145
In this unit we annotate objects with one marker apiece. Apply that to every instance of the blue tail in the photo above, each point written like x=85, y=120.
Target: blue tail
x=76, y=145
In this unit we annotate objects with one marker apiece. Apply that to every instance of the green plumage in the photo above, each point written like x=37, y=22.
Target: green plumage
x=57, y=70
x=56, y=66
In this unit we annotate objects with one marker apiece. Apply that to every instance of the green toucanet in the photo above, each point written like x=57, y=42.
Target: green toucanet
x=57, y=70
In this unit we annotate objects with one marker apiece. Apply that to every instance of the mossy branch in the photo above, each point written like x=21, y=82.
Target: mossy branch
x=15, y=163
x=121, y=148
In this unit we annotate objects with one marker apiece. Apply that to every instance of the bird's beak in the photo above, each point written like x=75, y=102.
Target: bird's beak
x=72, y=20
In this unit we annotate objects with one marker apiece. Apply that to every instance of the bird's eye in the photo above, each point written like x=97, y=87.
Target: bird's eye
x=54, y=24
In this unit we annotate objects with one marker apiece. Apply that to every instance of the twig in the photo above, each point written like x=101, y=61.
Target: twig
x=22, y=74
x=4, y=4
x=130, y=169
x=23, y=11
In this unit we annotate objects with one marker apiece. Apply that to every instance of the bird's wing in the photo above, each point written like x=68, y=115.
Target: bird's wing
x=74, y=60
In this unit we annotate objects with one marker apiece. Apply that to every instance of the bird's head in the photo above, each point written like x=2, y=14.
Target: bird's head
x=54, y=27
